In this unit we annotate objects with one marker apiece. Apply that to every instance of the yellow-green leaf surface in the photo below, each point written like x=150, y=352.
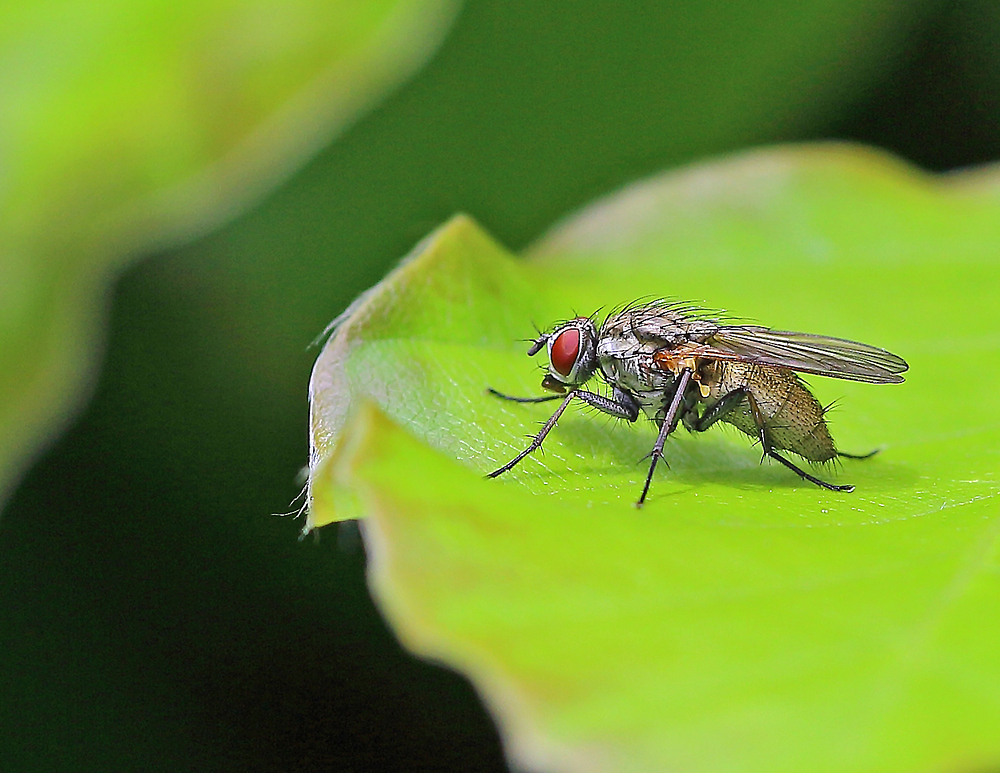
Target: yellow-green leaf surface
x=743, y=620
x=125, y=124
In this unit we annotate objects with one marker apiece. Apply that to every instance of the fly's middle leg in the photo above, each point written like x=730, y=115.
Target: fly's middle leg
x=668, y=426
x=769, y=451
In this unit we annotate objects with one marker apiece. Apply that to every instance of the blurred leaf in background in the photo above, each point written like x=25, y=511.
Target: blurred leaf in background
x=941, y=107
x=128, y=124
x=153, y=611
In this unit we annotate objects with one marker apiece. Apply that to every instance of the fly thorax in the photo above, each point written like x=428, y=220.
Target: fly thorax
x=629, y=364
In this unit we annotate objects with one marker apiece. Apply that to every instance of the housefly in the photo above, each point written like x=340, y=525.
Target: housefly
x=676, y=363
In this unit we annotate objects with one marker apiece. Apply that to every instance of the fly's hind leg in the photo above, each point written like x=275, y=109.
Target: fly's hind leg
x=869, y=455
x=765, y=444
x=805, y=475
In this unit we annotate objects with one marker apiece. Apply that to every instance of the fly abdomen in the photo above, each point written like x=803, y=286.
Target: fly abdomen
x=792, y=418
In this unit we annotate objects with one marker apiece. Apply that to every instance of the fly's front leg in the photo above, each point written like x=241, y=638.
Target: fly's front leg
x=765, y=443
x=623, y=406
x=543, y=399
x=536, y=441
x=668, y=426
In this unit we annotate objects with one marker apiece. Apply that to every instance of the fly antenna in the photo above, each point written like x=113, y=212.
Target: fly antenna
x=537, y=345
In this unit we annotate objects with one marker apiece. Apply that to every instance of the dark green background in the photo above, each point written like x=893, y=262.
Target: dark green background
x=154, y=615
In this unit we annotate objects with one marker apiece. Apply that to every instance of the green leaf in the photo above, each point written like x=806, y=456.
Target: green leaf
x=126, y=125
x=743, y=619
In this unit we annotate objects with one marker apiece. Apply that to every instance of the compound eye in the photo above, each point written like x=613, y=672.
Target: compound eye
x=565, y=350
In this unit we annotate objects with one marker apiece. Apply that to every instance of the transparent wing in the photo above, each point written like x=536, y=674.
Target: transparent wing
x=805, y=352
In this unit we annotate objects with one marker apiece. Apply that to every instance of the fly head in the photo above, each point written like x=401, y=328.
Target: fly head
x=572, y=350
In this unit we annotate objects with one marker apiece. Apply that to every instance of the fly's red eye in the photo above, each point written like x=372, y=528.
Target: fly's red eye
x=564, y=351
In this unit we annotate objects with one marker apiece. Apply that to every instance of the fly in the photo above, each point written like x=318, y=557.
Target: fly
x=676, y=363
